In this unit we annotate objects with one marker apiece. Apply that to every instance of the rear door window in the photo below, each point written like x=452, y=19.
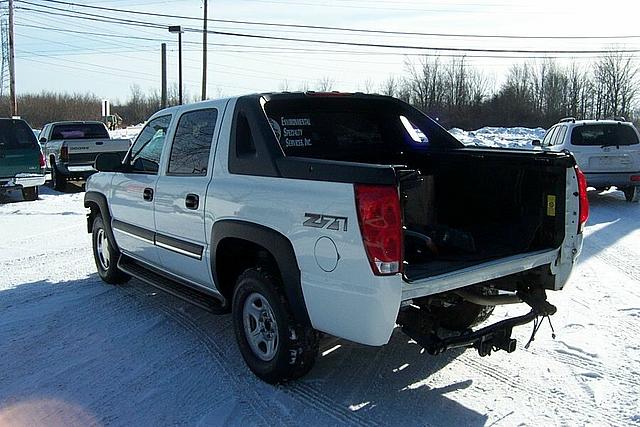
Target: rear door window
x=559, y=136
x=604, y=135
x=192, y=143
x=16, y=134
x=548, y=137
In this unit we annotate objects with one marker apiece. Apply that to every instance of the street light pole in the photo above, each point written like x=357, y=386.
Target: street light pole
x=204, y=51
x=178, y=29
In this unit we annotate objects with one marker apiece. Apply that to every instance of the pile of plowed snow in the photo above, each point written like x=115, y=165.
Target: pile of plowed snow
x=501, y=137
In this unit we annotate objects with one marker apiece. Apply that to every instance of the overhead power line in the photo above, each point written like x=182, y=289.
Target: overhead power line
x=92, y=16
x=352, y=30
x=410, y=47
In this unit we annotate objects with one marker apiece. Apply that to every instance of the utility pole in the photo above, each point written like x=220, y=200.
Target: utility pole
x=204, y=51
x=163, y=91
x=12, y=66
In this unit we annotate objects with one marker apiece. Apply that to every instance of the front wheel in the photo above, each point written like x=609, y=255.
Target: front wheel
x=106, y=255
x=30, y=193
x=272, y=344
x=632, y=194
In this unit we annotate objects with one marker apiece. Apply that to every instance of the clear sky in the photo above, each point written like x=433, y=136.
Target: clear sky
x=50, y=57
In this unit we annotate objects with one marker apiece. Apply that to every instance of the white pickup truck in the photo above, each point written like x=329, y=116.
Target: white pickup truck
x=70, y=149
x=343, y=214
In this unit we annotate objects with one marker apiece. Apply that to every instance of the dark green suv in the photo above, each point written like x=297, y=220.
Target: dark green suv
x=21, y=161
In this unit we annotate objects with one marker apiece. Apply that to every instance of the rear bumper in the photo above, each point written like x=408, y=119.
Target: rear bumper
x=22, y=180
x=76, y=171
x=618, y=179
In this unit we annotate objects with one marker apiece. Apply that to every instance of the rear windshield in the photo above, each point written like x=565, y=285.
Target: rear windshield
x=354, y=130
x=79, y=131
x=16, y=134
x=604, y=135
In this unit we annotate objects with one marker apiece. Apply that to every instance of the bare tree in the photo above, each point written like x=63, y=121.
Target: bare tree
x=390, y=86
x=284, y=86
x=325, y=84
x=615, y=78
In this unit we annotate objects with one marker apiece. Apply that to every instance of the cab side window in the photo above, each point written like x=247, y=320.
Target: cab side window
x=192, y=143
x=146, y=151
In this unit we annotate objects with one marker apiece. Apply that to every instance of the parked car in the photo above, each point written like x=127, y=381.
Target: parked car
x=346, y=214
x=607, y=151
x=21, y=159
x=70, y=149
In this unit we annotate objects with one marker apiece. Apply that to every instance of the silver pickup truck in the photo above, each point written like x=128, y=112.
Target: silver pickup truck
x=70, y=149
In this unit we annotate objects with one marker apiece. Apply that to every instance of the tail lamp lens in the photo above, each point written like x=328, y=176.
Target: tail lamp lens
x=584, y=201
x=380, y=222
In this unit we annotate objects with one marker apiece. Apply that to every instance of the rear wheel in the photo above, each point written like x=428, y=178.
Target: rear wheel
x=106, y=255
x=632, y=194
x=273, y=345
x=58, y=181
x=30, y=193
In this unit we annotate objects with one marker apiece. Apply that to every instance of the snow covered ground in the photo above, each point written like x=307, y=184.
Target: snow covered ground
x=130, y=132
x=517, y=137
x=76, y=351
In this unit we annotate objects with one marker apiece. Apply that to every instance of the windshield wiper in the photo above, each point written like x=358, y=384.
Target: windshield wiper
x=617, y=144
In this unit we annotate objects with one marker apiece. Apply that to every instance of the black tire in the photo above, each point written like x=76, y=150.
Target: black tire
x=632, y=194
x=108, y=271
x=294, y=347
x=458, y=314
x=30, y=193
x=461, y=316
x=58, y=181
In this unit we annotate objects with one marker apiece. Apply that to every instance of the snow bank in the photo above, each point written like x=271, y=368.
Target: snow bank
x=501, y=137
x=130, y=132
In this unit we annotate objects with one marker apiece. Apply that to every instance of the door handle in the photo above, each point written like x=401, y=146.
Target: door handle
x=147, y=194
x=192, y=201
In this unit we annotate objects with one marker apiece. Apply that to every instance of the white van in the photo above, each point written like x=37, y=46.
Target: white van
x=607, y=151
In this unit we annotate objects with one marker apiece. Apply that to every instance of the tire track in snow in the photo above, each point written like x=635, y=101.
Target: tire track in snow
x=558, y=399
x=247, y=394
x=299, y=391
x=309, y=396
x=621, y=259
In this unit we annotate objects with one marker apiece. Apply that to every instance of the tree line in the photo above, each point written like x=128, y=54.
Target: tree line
x=451, y=90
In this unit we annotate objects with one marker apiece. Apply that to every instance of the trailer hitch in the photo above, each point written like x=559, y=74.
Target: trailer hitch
x=422, y=328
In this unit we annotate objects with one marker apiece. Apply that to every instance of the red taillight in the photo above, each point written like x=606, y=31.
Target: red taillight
x=64, y=153
x=584, y=201
x=381, y=226
x=635, y=178
x=42, y=162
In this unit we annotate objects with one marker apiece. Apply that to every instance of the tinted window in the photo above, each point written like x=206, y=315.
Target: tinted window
x=146, y=151
x=604, y=135
x=192, y=143
x=16, y=134
x=359, y=130
x=79, y=131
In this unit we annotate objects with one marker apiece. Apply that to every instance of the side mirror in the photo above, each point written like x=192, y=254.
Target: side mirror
x=108, y=162
x=536, y=143
x=43, y=139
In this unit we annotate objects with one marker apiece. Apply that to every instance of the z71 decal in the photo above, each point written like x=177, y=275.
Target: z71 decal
x=330, y=222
